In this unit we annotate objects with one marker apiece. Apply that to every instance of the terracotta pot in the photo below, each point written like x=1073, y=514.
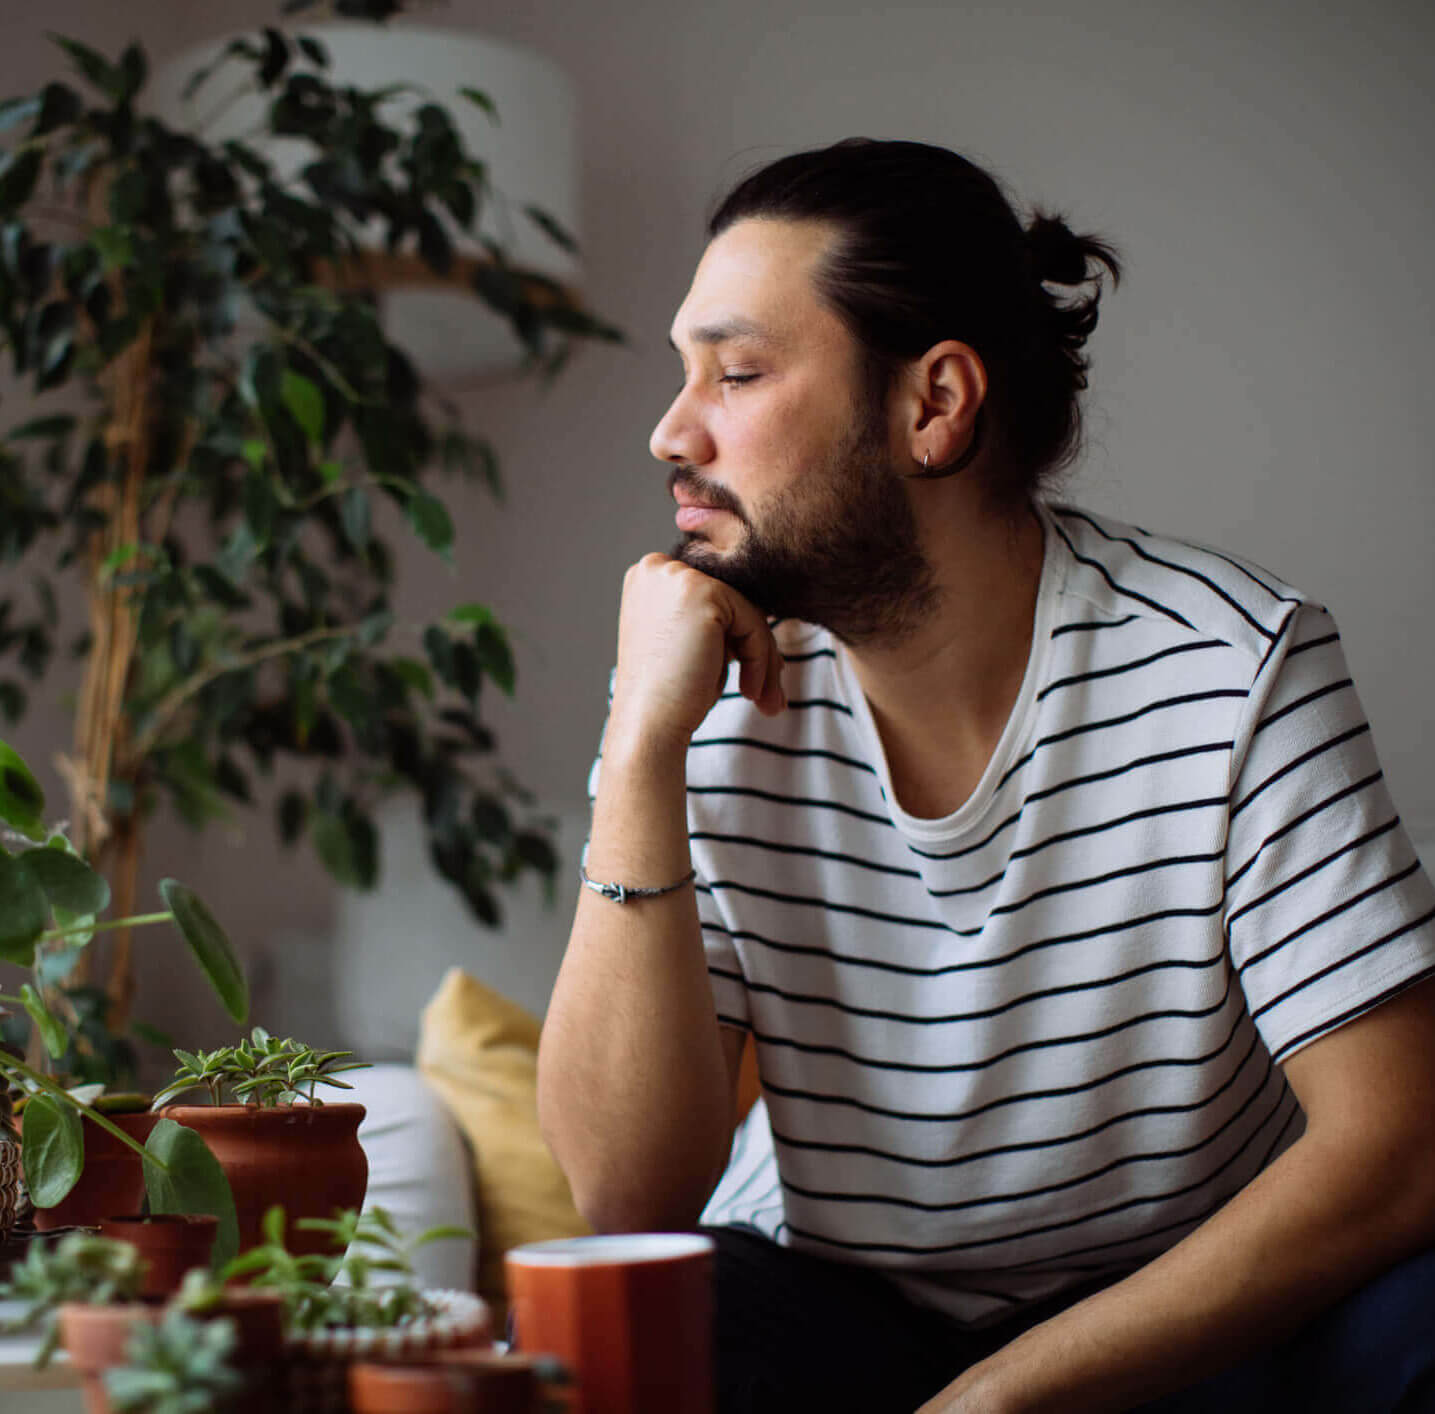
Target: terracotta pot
x=170, y=1243
x=112, y=1180
x=95, y=1338
x=305, y=1158
x=455, y=1382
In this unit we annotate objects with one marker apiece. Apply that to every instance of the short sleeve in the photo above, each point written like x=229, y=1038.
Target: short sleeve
x=1327, y=911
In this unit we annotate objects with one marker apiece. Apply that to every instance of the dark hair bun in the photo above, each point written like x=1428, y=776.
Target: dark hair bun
x=1060, y=257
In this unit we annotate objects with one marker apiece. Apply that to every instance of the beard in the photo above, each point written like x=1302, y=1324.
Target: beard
x=839, y=549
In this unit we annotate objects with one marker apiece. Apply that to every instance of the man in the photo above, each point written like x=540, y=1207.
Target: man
x=1047, y=863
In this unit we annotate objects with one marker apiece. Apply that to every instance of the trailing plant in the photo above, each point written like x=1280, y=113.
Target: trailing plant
x=219, y=495
x=262, y=1070
x=77, y=1267
x=49, y=895
x=338, y=1289
x=175, y=1366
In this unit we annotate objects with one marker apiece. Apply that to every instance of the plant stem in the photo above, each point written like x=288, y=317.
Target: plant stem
x=12, y=1067
x=176, y=698
x=55, y=934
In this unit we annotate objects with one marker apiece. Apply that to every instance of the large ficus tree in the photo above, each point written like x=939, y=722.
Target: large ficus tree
x=242, y=415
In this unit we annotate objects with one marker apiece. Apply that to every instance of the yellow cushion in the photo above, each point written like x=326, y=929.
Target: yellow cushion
x=480, y=1052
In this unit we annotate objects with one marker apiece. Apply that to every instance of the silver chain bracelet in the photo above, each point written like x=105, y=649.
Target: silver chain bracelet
x=621, y=893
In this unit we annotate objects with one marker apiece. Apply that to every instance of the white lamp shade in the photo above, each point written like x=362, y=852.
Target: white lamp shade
x=529, y=154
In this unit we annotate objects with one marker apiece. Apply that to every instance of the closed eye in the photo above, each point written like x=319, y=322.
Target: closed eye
x=737, y=379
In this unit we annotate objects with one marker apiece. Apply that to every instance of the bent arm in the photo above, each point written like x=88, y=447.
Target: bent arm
x=636, y=1080
x=1350, y=1198
x=635, y=1091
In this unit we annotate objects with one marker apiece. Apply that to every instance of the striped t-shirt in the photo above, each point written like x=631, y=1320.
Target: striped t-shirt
x=1033, y=1044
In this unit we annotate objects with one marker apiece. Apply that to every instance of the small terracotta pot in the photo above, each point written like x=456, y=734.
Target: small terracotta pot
x=454, y=1382
x=305, y=1158
x=170, y=1243
x=96, y=1339
x=112, y=1180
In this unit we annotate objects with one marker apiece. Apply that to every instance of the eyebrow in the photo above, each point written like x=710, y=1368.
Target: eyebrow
x=727, y=331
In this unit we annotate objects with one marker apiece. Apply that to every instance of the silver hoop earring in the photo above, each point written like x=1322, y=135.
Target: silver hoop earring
x=932, y=473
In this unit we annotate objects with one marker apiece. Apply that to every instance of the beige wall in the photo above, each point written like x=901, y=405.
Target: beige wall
x=1263, y=380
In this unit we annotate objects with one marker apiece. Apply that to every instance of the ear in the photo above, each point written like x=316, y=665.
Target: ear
x=945, y=389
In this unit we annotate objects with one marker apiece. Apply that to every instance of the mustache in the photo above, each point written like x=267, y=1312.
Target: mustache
x=709, y=493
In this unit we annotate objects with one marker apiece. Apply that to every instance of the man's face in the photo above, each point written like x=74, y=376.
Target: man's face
x=784, y=464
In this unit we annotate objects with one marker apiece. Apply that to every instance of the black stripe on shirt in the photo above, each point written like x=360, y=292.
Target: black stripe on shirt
x=1074, y=1136
x=1066, y=989
x=1195, y=574
x=1101, y=930
x=807, y=851
x=1121, y=589
x=1300, y=819
x=845, y=1100
x=1345, y=961
x=1063, y=1185
x=779, y=750
x=1301, y=760
x=1301, y=702
x=1092, y=624
x=1145, y=1200
x=767, y=1038
x=1200, y=645
x=1344, y=906
x=806, y=802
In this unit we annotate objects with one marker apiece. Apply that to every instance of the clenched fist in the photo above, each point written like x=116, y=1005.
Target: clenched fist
x=677, y=632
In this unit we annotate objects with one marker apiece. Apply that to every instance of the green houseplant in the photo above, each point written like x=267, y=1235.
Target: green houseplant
x=277, y=1142
x=49, y=895
x=220, y=496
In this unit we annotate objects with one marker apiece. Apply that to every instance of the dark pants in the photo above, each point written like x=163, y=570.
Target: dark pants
x=795, y=1332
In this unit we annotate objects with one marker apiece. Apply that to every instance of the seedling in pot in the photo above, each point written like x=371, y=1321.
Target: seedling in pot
x=262, y=1070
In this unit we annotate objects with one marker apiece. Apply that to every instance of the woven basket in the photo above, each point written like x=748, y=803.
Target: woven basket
x=14, y=1200
x=315, y=1374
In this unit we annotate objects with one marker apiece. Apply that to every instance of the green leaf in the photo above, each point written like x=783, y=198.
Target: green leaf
x=305, y=403
x=115, y=245
x=354, y=513
x=479, y=99
x=471, y=614
x=22, y=911
x=335, y=848
x=52, y=1150
x=430, y=520
x=194, y=1183
x=491, y=644
x=22, y=802
x=17, y=110
x=69, y=883
x=18, y=174
x=51, y=1029
x=210, y=945
x=415, y=675
x=550, y=228
x=46, y=427
x=93, y=66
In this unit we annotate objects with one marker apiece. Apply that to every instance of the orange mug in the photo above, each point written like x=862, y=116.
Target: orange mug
x=630, y=1315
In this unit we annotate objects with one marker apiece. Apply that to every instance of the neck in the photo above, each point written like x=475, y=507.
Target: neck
x=941, y=694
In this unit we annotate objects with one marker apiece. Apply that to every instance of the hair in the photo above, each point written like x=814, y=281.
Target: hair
x=929, y=248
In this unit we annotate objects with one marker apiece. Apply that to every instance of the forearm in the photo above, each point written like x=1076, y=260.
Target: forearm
x=633, y=1090
x=1310, y=1229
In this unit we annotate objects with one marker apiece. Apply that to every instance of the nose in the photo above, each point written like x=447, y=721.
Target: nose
x=680, y=435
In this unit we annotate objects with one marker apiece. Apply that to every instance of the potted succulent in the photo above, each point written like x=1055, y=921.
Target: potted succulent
x=278, y=1143
x=49, y=896
x=219, y=485
x=176, y=1366
x=336, y=1314
x=86, y=1292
